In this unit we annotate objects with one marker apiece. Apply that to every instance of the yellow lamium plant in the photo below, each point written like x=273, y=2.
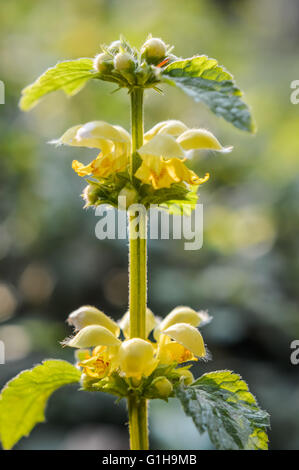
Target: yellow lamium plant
x=142, y=357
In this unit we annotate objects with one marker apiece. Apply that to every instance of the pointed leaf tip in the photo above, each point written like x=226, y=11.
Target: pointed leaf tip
x=206, y=81
x=69, y=76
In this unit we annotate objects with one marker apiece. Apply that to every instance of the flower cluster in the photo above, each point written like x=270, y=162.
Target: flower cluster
x=128, y=67
x=163, y=160
x=112, y=361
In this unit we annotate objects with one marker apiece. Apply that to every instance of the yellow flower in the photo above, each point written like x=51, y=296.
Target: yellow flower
x=96, y=365
x=177, y=340
x=167, y=146
x=182, y=314
x=114, y=142
x=97, y=331
x=171, y=351
x=189, y=337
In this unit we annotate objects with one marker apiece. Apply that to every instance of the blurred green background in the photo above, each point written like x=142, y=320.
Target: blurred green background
x=246, y=274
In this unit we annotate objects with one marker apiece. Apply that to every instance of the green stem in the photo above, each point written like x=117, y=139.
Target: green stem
x=137, y=275
x=136, y=125
x=138, y=248
x=138, y=423
x=137, y=278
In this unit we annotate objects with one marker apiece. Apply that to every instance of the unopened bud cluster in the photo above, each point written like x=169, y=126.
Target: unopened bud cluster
x=129, y=67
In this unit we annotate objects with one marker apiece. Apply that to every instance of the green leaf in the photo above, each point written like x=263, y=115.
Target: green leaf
x=206, y=81
x=69, y=76
x=23, y=399
x=221, y=404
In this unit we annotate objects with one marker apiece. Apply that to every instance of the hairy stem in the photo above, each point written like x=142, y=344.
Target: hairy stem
x=137, y=277
x=137, y=232
x=138, y=423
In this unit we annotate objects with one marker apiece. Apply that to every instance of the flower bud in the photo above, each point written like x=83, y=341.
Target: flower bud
x=123, y=62
x=136, y=358
x=86, y=382
x=102, y=63
x=185, y=375
x=163, y=387
x=88, y=315
x=115, y=46
x=92, y=335
x=154, y=50
x=91, y=194
x=126, y=197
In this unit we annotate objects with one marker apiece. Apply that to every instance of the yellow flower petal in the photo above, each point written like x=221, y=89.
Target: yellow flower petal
x=96, y=134
x=98, y=364
x=197, y=180
x=174, y=352
x=88, y=315
x=144, y=173
x=105, y=165
x=124, y=134
x=200, y=139
x=178, y=171
x=188, y=336
x=153, y=170
x=81, y=169
x=162, y=146
x=93, y=335
x=103, y=130
x=178, y=315
x=162, y=173
x=69, y=137
x=171, y=127
x=165, y=180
